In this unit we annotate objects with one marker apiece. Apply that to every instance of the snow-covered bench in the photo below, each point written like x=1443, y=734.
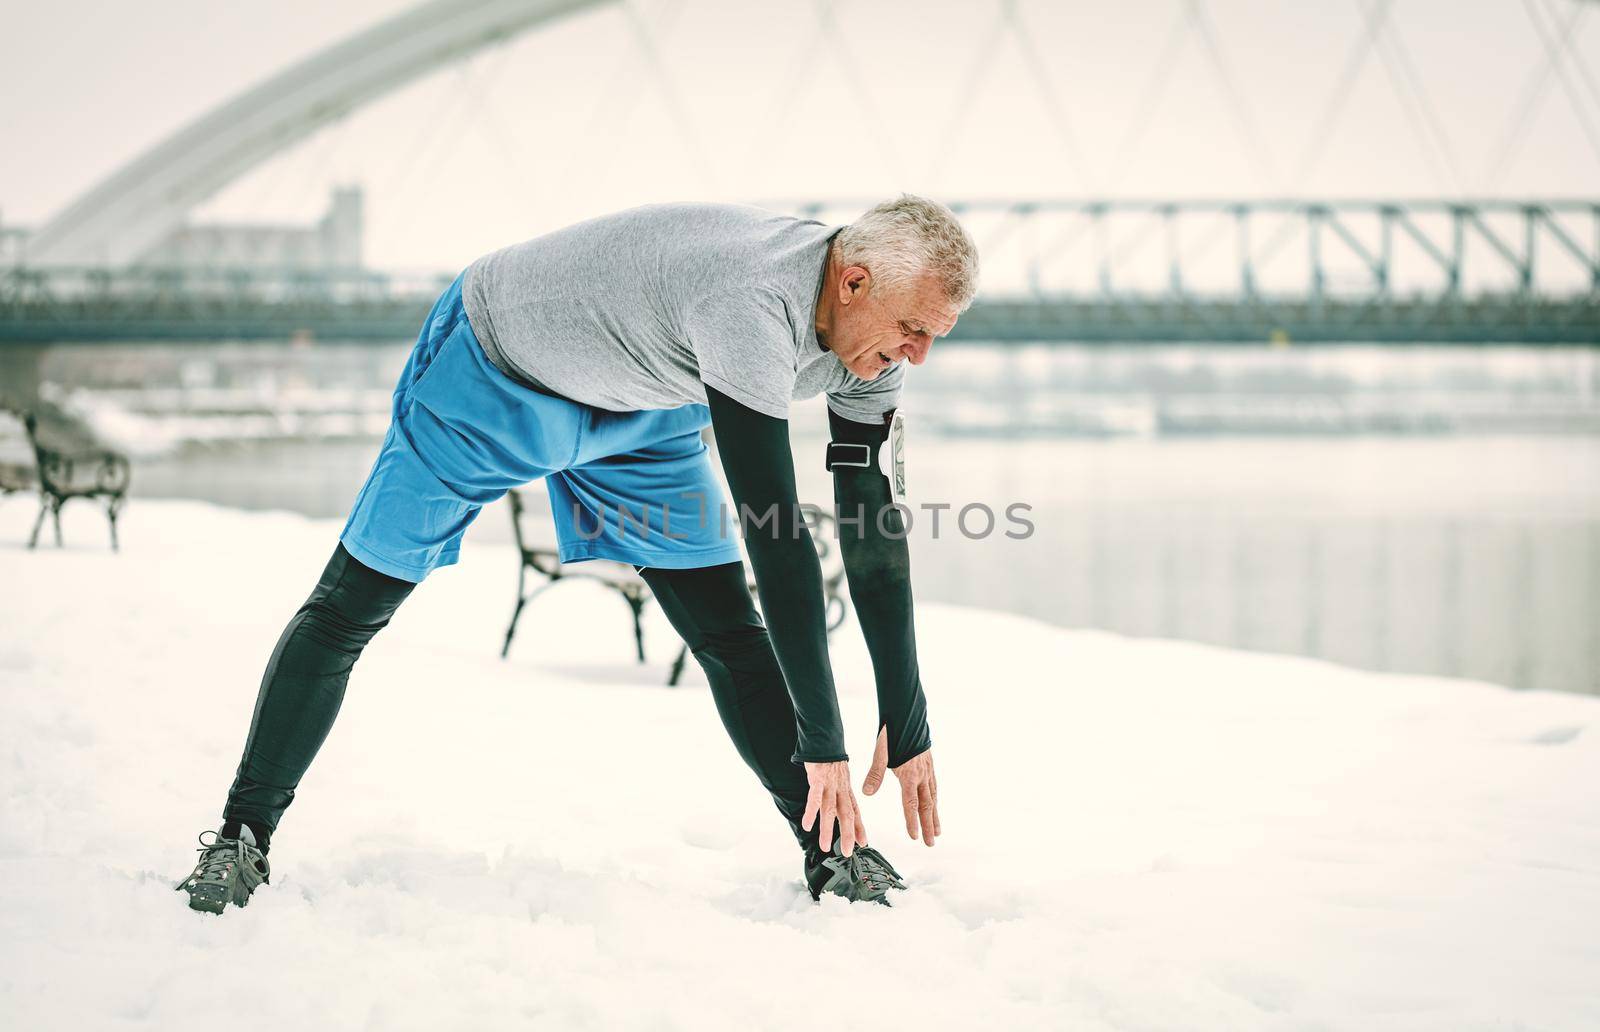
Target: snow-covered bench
x=544, y=561
x=16, y=467
x=66, y=472
x=14, y=476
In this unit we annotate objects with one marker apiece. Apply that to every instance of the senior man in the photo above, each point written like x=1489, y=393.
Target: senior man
x=592, y=357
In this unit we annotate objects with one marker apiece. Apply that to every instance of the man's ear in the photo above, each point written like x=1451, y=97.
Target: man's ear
x=855, y=281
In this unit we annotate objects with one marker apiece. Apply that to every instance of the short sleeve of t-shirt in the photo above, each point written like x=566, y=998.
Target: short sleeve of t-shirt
x=744, y=345
x=866, y=401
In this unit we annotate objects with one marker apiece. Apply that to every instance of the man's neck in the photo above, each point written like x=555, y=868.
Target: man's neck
x=825, y=300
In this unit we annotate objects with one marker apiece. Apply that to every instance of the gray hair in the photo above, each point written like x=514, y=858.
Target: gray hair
x=900, y=240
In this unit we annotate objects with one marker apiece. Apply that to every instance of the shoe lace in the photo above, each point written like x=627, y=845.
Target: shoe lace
x=217, y=858
x=869, y=867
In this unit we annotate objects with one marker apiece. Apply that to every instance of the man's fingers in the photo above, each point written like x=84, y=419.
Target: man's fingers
x=925, y=812
x=873, y=780
x=908, y=803
x=852, y=832
x=861, y=824
x=880, y=763
x=813, y=804
x=829, y=812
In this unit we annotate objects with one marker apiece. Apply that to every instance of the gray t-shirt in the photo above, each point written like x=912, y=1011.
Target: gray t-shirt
x=641, y=309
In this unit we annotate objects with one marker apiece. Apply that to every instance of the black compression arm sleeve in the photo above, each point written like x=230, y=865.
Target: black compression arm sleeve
x=760, y=471
x=878, y=567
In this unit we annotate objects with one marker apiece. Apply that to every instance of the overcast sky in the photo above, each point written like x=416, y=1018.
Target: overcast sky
x=751, y=103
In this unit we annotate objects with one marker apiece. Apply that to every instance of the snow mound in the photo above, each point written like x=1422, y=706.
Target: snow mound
x=1140, y=834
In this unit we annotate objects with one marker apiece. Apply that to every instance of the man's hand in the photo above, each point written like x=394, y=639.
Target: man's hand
x=919, y=788
x=831, y=797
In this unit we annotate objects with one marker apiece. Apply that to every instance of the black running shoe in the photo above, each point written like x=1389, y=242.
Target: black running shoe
x=863, y=875
x=228, y=871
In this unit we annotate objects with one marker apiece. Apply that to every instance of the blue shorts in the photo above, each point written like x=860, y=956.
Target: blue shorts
x=636, y=487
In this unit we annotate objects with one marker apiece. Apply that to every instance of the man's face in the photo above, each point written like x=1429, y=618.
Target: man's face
x=874, y=328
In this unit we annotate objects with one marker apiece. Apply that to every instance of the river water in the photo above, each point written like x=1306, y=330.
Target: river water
x=1419, y=510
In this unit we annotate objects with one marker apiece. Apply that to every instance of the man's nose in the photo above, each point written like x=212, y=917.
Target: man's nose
x=916, y=348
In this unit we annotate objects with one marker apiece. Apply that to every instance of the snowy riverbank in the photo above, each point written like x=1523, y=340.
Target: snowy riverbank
x=1139, y=834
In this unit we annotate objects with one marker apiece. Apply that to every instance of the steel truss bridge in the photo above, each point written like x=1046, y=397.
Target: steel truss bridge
x=1091, y=271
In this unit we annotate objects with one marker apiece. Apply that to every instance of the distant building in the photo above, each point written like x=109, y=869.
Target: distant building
x=332, y=242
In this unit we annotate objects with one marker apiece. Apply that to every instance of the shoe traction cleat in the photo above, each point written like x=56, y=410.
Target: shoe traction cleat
x=228, y=872
x=864, y=875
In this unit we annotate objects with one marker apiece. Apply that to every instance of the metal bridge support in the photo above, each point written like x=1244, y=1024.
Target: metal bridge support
x=1169, y=220
x=1247, y=269
x=1314, y=219
x=1102, y=246
x=1458, y=249
x=1530, y=225
x=1385, y=251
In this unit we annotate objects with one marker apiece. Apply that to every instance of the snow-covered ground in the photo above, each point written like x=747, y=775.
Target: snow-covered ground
x=1139, y=834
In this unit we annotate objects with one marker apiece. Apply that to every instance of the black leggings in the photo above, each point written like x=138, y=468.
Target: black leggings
x=305, y=681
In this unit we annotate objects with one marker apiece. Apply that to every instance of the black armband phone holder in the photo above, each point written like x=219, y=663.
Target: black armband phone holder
x=888, y=457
